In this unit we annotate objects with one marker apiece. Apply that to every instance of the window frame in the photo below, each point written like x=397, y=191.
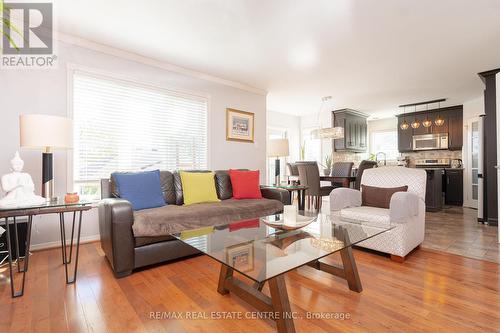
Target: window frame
x=371, y=144
x=119, y=77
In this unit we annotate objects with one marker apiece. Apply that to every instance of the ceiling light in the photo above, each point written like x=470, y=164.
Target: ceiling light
x=439, y=120
x=404, y=125
x=427, y=123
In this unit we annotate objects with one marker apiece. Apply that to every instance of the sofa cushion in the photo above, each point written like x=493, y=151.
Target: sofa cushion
x=198, y=187
x=142, y=189
x=179, y=196
x=172, y=218
x=366, y=215
x=379, y=196
x=166, y=183
x=245, y=184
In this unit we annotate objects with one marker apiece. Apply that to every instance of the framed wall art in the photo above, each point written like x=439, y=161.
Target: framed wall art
x=239, y=125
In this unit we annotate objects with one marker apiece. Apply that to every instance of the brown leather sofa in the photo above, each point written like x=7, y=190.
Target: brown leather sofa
x=126, y=252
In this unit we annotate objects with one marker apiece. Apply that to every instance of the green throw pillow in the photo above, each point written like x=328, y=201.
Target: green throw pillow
x=198, y=187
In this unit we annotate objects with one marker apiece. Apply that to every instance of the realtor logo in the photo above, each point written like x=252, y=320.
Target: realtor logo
x=27, y=35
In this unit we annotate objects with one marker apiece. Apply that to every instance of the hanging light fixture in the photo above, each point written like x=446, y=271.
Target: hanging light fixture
x=327, y=132
x=439, y=120
x=404, y=125
x=427, y=122
x=415, y=124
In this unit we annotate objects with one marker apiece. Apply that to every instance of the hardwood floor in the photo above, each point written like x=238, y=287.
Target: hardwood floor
x=430, y=292
x=456, y=230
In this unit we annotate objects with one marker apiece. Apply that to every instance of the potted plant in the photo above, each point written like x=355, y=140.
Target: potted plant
x=328, y=165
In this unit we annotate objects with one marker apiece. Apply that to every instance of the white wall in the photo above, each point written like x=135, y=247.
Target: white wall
x=473, y=108
x=45, y=91
x=292, y=124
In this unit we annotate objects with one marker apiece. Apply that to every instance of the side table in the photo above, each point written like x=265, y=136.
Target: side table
x=52, y=207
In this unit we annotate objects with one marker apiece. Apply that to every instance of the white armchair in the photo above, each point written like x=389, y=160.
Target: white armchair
x=406, y=210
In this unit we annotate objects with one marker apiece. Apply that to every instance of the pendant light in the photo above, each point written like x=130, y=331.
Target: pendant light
x=427, y=123
x=404, y=125
x=439, y=120
x=328, y=132
x=415, y=124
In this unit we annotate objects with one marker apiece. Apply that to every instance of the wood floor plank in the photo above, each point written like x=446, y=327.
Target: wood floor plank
x=431, y=291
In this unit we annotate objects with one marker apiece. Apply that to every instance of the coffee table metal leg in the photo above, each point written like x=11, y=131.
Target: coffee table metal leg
x=67, y=259
x=13, y=292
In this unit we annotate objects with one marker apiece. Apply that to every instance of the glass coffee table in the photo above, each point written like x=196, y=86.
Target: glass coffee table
x=264, y=254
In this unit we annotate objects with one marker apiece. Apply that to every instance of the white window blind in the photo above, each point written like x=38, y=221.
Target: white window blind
x=123, y=126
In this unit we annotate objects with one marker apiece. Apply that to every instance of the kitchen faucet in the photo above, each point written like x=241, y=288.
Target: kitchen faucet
x=385, y=157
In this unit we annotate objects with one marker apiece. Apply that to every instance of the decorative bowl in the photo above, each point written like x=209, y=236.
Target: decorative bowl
x=279, y=222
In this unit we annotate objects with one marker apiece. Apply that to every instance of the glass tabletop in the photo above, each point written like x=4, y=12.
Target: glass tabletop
x=287, y=187
x=261, y=252
x=59, y=202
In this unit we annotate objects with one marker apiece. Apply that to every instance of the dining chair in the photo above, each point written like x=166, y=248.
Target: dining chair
x=309, y=176
x=341, y=171
x=293, y=171
x=365, y=164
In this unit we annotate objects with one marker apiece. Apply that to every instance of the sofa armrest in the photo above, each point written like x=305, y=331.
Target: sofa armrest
x=279, y=194
x=343, y=197
x=117, y=240
x=403, y=206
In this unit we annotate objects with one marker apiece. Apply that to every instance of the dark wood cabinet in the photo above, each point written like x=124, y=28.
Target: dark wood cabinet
x=453, y=125
x=455, y=129
x=405, y=137
x=355, y=130
x=434, y=190
x=454, y=186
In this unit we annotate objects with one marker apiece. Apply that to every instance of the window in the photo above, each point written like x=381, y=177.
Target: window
x=311, y=146
x=385, y=141
x=123, y=126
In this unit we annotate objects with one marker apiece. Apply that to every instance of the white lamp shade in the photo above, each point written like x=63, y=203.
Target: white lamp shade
x=44, y=131
x=278, y=148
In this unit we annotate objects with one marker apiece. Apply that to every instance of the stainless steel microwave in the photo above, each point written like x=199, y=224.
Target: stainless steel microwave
x=430, y=141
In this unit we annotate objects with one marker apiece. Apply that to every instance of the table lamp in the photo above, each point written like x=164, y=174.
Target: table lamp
x=48, y=133
x=277, y=148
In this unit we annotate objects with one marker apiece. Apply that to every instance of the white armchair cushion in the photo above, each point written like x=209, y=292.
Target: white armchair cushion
x=343, y=197
x=366, y=215
x=403, y=206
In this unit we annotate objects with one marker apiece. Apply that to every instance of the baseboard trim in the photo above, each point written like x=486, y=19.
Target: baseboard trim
x=51, y=245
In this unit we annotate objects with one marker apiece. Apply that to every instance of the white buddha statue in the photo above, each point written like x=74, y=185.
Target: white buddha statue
x=19, y=187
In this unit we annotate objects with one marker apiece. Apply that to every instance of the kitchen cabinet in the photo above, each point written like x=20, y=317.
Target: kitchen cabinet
x=405, y=137
x=355, y=130
x=454, y=186
x=455, y=130
x=453, y=125
x=434, y=190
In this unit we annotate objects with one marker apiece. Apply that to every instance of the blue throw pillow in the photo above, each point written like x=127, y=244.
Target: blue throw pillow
x=142, y=189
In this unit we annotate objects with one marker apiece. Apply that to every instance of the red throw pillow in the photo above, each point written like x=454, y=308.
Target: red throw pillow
x=245, y=184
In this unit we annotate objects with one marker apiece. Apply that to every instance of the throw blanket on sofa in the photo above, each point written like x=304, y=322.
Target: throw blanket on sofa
x=171, y=219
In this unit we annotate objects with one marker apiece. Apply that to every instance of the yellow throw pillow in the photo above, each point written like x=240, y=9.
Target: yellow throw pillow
x=198, y=187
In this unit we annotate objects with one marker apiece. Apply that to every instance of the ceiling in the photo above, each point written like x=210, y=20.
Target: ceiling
x=369, y=55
